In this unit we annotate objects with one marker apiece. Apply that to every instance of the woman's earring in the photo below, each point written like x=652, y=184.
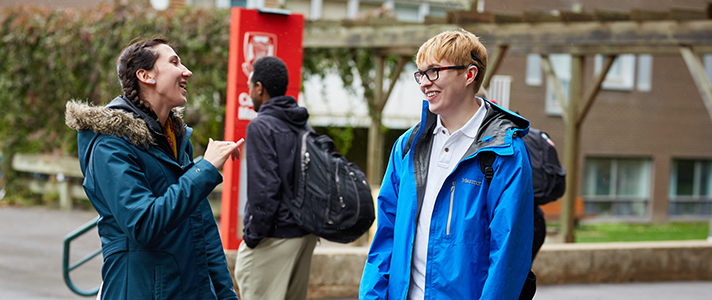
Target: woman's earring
x=153, y=81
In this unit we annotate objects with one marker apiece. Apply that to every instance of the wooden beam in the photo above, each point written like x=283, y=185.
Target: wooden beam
x=594, y=89
x=401, y=51
x=540, y=17
x=502, y=18
x=647, y=15
x=604, y=49
x=374, y=22
x=493, y=64
x=435, y=20
x=569, y=16
x=577, y=36
x=463, y=16
x=699, y=76
x=608, y=15
x=561, y=97
x=394, y=78
x=683, y=14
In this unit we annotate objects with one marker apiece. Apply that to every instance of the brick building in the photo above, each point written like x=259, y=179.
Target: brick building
x=646, y=152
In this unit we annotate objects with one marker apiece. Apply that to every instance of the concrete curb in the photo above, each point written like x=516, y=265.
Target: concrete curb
x=624, y=262
x=336, y=271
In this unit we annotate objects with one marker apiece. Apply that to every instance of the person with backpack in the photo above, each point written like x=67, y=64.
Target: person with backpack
x=446, y=228
x=274, y=258
x=548, y=179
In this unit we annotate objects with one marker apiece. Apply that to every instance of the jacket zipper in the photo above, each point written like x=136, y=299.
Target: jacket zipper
x=338, y=192
x=358, y=197
x=449, y=216
x=304, y=163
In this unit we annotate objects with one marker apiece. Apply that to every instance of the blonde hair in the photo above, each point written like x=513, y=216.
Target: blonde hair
x=457, y=46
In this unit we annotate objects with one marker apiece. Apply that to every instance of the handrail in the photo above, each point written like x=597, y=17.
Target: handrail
x=66, y=268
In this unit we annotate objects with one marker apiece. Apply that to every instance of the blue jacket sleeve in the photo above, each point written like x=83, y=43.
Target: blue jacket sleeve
x=510, y=204
x=217, y=264
x=263, y=183
x=139, y=212
x=374, y=280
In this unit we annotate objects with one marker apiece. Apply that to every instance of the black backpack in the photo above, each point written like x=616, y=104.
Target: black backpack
x=331, y=197
x=548, y=176
x=486, y=161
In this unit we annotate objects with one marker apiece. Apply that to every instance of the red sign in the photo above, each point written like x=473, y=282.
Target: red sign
x=253, y=34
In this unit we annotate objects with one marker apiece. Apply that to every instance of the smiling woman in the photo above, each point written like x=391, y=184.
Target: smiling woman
x=156, y=225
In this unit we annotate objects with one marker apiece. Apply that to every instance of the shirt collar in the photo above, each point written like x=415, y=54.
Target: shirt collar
x=470, y=128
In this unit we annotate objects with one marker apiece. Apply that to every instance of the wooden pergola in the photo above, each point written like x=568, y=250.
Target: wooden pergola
x=676, y=32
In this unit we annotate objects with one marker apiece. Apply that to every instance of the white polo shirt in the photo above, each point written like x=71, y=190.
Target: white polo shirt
x=446, y=152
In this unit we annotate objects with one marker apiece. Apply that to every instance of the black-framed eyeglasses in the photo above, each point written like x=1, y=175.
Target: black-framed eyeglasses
x=434, y=73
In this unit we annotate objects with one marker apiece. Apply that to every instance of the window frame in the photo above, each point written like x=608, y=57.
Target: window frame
x=614, y=198
x=696, y=199
x=618, y=81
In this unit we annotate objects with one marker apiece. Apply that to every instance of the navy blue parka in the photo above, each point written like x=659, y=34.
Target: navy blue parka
x=159, y=237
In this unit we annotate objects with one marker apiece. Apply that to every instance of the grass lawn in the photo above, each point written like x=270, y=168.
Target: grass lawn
x=626, y=232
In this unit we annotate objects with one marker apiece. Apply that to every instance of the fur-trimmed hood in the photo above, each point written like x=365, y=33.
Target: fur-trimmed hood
x=120, y=118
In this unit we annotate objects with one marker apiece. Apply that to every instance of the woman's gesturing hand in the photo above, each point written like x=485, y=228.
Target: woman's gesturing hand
x=218, y=151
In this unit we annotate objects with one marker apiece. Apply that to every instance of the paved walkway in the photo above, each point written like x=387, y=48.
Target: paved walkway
x=31, y=242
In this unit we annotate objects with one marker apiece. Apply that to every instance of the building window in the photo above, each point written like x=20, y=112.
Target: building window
x=352, y=9
x=620, y=76
x=499, y=89
x=617, y=187
x=438, y=12
x=561, y=63
x=407, y=13
x=691, y=188
x=645, y=73
x=533, y=69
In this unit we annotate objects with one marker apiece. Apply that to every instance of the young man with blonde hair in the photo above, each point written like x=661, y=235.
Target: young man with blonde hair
x=447, y=227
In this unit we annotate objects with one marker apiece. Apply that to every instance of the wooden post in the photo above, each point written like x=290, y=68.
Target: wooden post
x=375, y=142
x=558, y=88
x=374, y=170
x=493, y=63
x=698, y=75
x=593, y=90
x=571, y=150
x=65, y=197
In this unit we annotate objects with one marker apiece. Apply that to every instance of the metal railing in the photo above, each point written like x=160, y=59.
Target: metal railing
x=66, y=268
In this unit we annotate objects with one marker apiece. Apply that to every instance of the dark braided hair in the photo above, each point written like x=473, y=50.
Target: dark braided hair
x=138, y=55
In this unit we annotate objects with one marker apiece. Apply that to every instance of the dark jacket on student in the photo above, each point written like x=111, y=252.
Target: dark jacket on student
x=159, y=237
x=270, y=146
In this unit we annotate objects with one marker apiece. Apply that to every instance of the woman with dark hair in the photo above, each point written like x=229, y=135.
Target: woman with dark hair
x=159, y=237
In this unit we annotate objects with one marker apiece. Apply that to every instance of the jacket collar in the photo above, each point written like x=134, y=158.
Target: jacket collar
x=492, y=133
x=123, y=119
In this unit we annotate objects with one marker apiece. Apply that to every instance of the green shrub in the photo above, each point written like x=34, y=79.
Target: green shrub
x=50, y=56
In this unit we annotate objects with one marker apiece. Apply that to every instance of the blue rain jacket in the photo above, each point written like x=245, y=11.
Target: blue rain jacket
x=158, y=233
x=480, y=234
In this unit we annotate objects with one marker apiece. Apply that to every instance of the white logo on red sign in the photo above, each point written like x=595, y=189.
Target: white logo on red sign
x=257, y=45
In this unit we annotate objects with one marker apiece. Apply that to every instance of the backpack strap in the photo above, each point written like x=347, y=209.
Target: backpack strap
x=486, y=161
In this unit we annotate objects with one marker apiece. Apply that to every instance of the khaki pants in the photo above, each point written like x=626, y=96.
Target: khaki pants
x=275, y=269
